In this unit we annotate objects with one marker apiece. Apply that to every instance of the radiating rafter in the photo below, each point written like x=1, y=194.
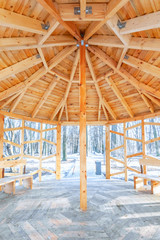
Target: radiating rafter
x=20, y=66
x=83, y=8
x=20, y=22
x=63, y=100
x=147, y=101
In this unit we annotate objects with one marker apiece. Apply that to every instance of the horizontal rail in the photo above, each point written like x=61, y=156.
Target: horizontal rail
x=11, y=157
x=133, y=170
x=11, y=163
x=11, y=143
x=117, y=173
x=134, y=139
x=134, y=155
x=48, y=141
x=29, y=156
x=118, y=133
x=45, y=158
x=48, y=170
x=117, y=160
x=152, y=140
x=12, y=129
x=134, y=126
x=152, y=123
x=114, y=149
x=32, y=129
x=49, y=129
x=31, y=141
x=33, y=173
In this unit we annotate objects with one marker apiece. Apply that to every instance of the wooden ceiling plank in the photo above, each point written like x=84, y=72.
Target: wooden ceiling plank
x=20, y=22
x=59, y=74
x=142, y=65
x=20, y=86
x=99, y=110
x=61, y=55
x=17, y=100
x=44, y=97
x=63, y=100
x=123, y=73
x=69, y=26
x=113, y=7
x=119, y=95
x=142, y=23
x=10, y=99
x=19, y=67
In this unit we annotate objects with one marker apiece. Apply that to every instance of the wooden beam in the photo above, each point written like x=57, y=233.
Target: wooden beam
x=20, y=66
x=108, y=161
x=22, y=85
x=119, y=96
x=112, y=23
x=50, y=88
x=67, y=11
x=153, y=99
x=113, y=7
x=61, y=56
x=122, y=57
x=63, y=100
x=142, y=23
x=20, y=22
x=10, y=99
x=69, y=26
x=1, y=143
x=58, y=152
x=150, y=44
x=89, y=62
x=142, y=65
x=17, y=100
x=125, y=152
x=83, y=8
x=83, y=171
x=7, y=44
x=147, y=101
x=123, y=73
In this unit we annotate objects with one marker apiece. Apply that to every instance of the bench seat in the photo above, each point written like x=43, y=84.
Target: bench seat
x=155, y=182
x=8, y=184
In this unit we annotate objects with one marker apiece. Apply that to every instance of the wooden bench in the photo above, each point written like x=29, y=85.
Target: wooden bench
x=155, y=180
x=8, y=184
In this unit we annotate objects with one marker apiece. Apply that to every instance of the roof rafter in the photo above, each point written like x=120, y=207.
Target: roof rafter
x=113, y=7
x=142, y=23
x=69, y=26
x=63, y=100
x=20, y=22
x=150, y=44
x=142, y=65
x=83, y=8
x=123, y=73
x=20, y=66
x=119, y=95
x=101, y=98
x=147, y=101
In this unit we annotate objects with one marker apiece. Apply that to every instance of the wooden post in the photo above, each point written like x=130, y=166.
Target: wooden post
x=22, y=149
x=40, y=152
x=144, y=150
x=125, y=152
x=58, y=154
x=1, y=143
x=83, y=174
x=108, y=161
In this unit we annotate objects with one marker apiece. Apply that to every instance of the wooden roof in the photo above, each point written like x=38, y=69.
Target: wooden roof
x=39, y=68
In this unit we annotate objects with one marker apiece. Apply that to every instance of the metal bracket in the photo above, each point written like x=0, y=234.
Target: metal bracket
x=126, y=57
x=38, y=56
x=121, y=24
x=77, y=10
x=45, y=26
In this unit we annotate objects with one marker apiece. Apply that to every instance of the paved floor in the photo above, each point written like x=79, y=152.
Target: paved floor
x=51, y=211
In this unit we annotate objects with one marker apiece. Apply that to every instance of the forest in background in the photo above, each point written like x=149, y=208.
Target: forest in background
x=70, y=139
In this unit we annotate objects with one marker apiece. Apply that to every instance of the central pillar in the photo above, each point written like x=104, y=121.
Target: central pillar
x=83, y=172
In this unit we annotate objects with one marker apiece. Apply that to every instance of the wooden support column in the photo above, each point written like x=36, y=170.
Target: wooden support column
x=40, y=152
x=58, y=155
x=1, y=143
x=83, y=173
x=144, y=150
x=22, y=149
x=108, y=161
x=125, y=152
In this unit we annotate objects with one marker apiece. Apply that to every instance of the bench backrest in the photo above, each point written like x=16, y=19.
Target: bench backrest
x=150, y=161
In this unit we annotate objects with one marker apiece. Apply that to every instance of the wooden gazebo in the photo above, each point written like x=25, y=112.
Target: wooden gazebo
x=67, y=62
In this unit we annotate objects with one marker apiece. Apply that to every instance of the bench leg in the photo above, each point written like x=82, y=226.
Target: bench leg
x=28, y=182
x=138, y=183
x=9, y=188
x=155, y=187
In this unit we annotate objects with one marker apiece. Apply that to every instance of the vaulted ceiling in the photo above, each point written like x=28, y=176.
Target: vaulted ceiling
x=39, y=58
